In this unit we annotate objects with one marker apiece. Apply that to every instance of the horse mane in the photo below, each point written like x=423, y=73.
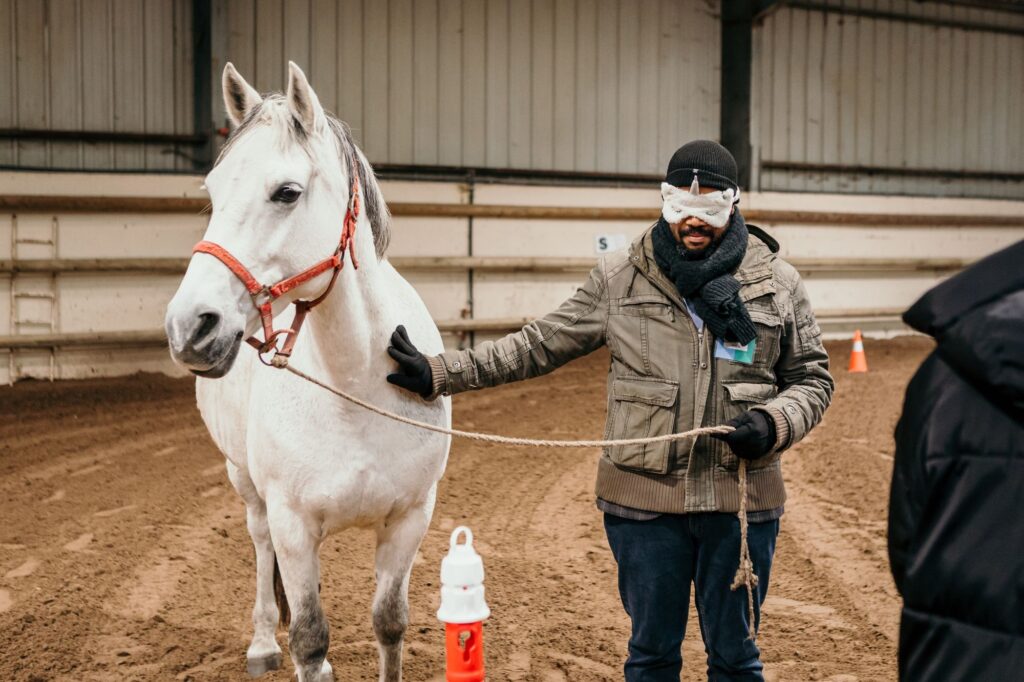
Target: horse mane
x=274, y=110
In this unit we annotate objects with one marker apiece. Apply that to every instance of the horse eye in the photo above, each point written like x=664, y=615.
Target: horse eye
x=287, y=194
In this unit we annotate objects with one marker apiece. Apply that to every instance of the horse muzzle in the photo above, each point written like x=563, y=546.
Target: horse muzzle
x=202, y=341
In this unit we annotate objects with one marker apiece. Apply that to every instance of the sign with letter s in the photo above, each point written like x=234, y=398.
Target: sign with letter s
x=607, y=243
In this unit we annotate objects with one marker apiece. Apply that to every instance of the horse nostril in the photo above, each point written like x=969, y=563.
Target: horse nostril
x=205, y=330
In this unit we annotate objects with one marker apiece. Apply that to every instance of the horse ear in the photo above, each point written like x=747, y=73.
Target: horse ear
x=239, y=97
x=302, y=101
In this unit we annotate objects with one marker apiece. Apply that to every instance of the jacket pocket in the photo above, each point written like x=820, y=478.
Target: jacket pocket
x=768, y=327
x=769, y=331
x=642, y=333
x=644, y=305
x=741, y=393
x=739, y=398
x=641, y=408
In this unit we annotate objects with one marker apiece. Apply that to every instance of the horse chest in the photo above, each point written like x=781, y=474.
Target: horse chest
x=338, y=460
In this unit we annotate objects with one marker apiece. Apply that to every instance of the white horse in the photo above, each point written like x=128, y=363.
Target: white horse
x=304, y=461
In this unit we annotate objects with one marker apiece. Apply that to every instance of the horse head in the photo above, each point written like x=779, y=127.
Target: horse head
x=281, y=191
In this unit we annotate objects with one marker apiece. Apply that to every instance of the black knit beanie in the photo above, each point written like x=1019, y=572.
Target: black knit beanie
x=712, y=163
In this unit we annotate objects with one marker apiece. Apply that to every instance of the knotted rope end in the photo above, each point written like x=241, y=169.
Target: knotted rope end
x=744, y=575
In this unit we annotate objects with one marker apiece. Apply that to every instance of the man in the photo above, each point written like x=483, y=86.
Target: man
x=705, y=326
x=955, y=528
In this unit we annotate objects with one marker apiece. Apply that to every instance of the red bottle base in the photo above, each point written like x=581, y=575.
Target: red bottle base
x=464, y=645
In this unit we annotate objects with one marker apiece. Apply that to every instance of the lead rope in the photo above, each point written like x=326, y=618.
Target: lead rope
x=744, y=575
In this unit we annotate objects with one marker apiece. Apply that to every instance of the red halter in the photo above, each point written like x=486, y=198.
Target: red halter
x=263, y=296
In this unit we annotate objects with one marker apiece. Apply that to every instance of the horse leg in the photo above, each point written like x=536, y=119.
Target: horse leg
x=397, y=543
x=297, y=544
x=263, y=654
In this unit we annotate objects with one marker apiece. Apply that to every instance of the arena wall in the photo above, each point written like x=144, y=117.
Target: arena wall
x=864, y=258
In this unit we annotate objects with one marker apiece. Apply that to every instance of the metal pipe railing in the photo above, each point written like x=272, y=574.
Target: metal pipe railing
x=98, y=136
x=477, y=263
x=32, y=203
x=145, y=338
x=154, y=337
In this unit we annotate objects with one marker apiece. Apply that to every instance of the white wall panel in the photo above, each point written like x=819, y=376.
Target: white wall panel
x=505, y=295
x=899, y=292
x=129, y=302
x=122, y=302
x=113, y=235
x=429, y=237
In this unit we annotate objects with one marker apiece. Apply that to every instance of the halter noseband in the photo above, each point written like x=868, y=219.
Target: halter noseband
x=263, y=296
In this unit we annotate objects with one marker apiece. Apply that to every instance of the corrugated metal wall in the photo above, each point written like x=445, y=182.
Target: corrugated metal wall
x=576, y=85
x=95, y=65
x=832, y=88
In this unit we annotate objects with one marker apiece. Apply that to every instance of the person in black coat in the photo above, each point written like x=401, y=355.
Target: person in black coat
x=956, y=511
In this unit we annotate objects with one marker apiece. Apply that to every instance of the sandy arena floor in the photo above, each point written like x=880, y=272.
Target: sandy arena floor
x=124, y=553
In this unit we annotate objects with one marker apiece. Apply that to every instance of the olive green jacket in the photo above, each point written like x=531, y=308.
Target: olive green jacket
x=664, y=376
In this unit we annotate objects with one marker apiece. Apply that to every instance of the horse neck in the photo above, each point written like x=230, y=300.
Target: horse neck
x=345, y=338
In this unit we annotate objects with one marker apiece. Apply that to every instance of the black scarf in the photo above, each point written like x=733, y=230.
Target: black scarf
x=705, y=279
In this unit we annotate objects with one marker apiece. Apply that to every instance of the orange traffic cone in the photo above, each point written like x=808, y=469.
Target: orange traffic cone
x=858, y=361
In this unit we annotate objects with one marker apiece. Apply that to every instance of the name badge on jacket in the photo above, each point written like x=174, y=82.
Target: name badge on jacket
x=736, y=352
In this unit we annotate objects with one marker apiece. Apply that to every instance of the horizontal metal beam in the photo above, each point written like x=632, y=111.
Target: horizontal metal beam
x=904, y=17
x=493, y=264
x=647, y=214
x=477, y=263
x=100, y=136
x=43, y=203
x=156, y=337
x=893, y=171
x=418, y=210
x=884, y=265
x=32, y=203
x=829, y=314
x=804, y=265
x=95, y=265
x=477, y=175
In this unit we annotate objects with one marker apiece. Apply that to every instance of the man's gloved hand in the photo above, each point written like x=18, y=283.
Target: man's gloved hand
x=414, y=371
x=754, y=436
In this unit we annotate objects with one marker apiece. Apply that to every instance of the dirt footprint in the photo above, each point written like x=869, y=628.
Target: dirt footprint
x=111, y=512
x=87, y=470
x=213, y=471
x=56, y=496
x=24, y=570
x=518, y=666
x=79, y=543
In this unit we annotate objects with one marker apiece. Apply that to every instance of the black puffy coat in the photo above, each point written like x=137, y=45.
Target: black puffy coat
x=956, y=515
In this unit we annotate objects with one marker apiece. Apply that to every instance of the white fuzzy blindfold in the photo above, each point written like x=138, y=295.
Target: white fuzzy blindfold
x=713, y=208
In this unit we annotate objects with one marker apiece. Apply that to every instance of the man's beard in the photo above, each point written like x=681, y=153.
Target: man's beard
x=699, y=231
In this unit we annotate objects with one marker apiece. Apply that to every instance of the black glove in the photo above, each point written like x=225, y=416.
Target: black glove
x=414, y=371
x=754, y=436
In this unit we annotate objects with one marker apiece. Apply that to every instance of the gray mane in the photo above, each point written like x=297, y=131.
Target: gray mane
x=273, y=109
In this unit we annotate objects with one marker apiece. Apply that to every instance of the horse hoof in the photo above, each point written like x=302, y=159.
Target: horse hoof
x=263, y=664
x=326, y=673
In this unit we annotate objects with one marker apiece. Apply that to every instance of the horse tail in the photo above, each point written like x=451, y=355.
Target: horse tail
x=285, y=617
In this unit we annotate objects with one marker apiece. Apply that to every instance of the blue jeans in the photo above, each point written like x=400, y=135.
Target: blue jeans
x=658, y=560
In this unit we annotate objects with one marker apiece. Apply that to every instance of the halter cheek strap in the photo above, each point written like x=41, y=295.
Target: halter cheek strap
x=263, y=296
